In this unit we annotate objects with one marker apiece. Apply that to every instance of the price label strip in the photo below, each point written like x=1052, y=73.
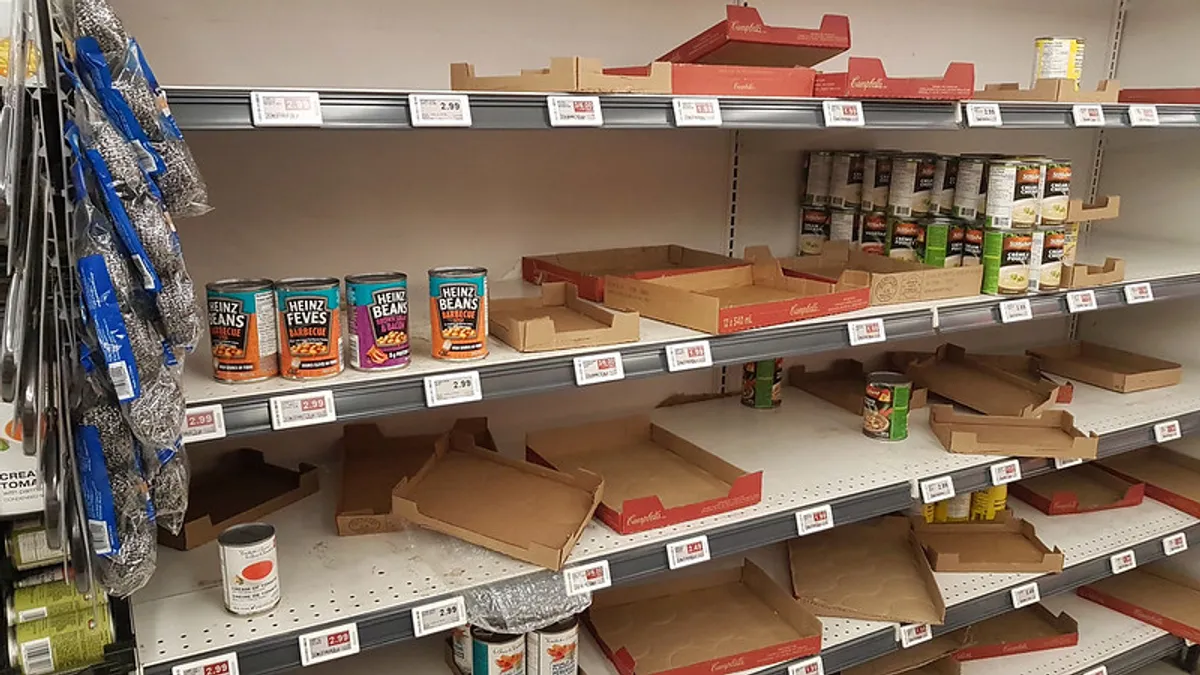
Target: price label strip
x=453, y=388
x=697, y=112
x=1143, y=116
x=689, y=356
x=984, y=115
x=439, y=110
x=1081, y=301
x=329, y=644
x=587, y=578
x=1088, y=115
x=1135, y=294
x=225, y=664
x=1122, y=562
x=843, y=113
x=204, y=423
x=1061, y=464
x=1167, y=431
x=439, y=616
x=1176, y=543
x=1016, y=310
x=575, y=111
x=866, y=332
x=1006, y=472
x=937, y=489
x=597, y=368
x=302, y=410
x=814, y=520
x=286, y=109
x=914, y=634
x=1023, y=596
x=811, y=666
x=687, y=552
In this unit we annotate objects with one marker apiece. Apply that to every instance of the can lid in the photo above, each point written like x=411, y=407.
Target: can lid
x=246, y=534
x=239, y=285
x=560, y=626
x=491, y=636
x=457, y=271
x=375, y=277
x=307, y=283
x=888, y=377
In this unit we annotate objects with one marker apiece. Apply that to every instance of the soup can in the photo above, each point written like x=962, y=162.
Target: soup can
x=310, y=327
x=242, y=327
x=554, y=650
x=460, y=646
x=956, y=509
x=1056, y=197
x=1058, y=58
x=988, y=503
x=28, y=548
x=972, y=246
x=814, y=230
x=877, y=180
x=970, y=187
x=62, y=643
x=1006, y=256
x=762, y=384
x=1014, y=195
x=846, y=180
x=843, y=225
x=945, y=182
x=885, y=406
x=458, y=312
x=818, y=175
x=377, y=313
x=249, y=568
x=912, y=185
x=496, y=653
x=873, y=233
x=1045, y=260
x=33, y=603
x=905, y=239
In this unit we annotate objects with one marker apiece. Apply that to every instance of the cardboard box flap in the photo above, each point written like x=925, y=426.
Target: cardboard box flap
x=1107, y=367
x=1032, y=628
x=1152, y=595
x=1007, y=545
x=559, y=320
x=1079, y=212
x=1082, y=275
x=906, y=660
x=844, y=385
x=743, y=38
x=1079, y=489
x=1051, y=90
x=565, y=74
x=952, y=374
x=1052, y=434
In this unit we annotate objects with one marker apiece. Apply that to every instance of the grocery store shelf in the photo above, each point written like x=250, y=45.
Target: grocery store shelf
x=1116, y=116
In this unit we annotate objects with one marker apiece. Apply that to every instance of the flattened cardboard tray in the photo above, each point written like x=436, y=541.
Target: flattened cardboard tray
x=559, y=320
x=566, y=74
x=874, y=570
x=892, y=281
x=1003, y=546
x=1027, y=368
x=1079, y=212
x=744, y=39
x=1051, y=91
x=1052, y=435
x=935, y=657
x=1080, y=489
x=1106, y=367
x=681, y=626
x=953, y=374
x=652, y=478
x=1158, y=594
x=866, y=78
x=697, y=79
x=520, y=509
x=587, y=269
x=844, y=384
x=1082, y=275
x=1029, y=629
x=1170, y=477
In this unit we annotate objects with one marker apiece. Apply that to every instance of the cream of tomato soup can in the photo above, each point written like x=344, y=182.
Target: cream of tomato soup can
x=249, y=568
x=496, y=653
x=554, y=650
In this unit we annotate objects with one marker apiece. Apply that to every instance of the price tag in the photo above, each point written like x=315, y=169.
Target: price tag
x=285, y=109
x=1016, y=310
x=587, y=578
x=439, y=616
x=689, y=356
x=843, y=113
x=575, y=111
x=1098, y=670
x=1061, y=464
x=1088, y=115
x=937, y=489
x=328, y=644
x=597, y=368
x=1122, y=562
x=867, y=331
x=1143, y=115
x=1006, y=472
x=439, y=110
x=1023, y=596
x=814, y=519
x=1135, y=294
x=453, y=388
x=687, y=552
x=1081, y=301
x=914, y=634
x=1176, y=543
x=1167, y=431
x=302, y=410
x=697, y=112
x=204, y=423
x=812, y=666
x=983, y=115
x=225, y=664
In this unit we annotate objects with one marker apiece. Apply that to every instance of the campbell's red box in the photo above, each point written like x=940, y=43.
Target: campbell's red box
x=866, y=78
x=696, y=79
x=1081, y=489
x=1029, y=629
x=1183, y=96
x=1170, y=477
x=587, y=269
x=744, y=39
x=1158, y=594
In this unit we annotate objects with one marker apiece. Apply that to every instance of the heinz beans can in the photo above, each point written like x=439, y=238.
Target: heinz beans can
x=241, y=323
x=249, y=568
x=310, y=328
x=377, y=314
x=458, y=312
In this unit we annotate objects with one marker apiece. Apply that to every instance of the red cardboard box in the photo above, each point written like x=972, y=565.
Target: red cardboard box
x=1170, y=477
x=587, y=269
x=1030, y=629
x=744, y=39
x=1182, y=95
x=692, y=79
x=1159, y=594
x=1081, y=489
x=866, y=78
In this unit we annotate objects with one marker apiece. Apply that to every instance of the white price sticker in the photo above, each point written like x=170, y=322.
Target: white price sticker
x=204, y=423
x=453, y=388
x=983, y=115
x=587, y=578
x=1135, y=294
x=1167, y=431
x=1023, y=596
x=1122, y=562
x=329, y=644
x=439, y=110
x=225, y=664
x=1176, y=543
x=1016, y=310
x=814, y=519
x=302, y=410
x=937, y=489
x=597, y=368
x=575, y=111
x=1143, y=115
x=1081, y=301
x=843, y=113
x=1088, y=115
x=1006, y=472
x=439, y=616
x=688, y=552
x=697, y=112
x=1098, y=670
x=812, y=666
x=914, y=634
x=1061, y=464
x=285, y=109
x=866, y=332
x=689, y=356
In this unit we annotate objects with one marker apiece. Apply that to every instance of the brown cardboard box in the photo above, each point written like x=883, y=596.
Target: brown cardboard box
x=844, y=385
x=1080, y=489
x=1051, y=90
x=1082, y=275
x=683, y=625
x=1170, y=477
x=892, y=281
x=1106, y=367
x=1029, y=629
x=559, y=320
x=565, y=74
x=935, y=657
x=1053, y=434
x=1027, y=368
x=955, y=375
x=1006, y=545
x=1079, y=212
x=1159, y=594
x=873, y=570
x=520, y=509
x=587, y=269
x=241, y=488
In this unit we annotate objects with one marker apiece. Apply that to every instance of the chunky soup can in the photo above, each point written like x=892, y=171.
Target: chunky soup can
x=377, y=314
x=458, y=312
x=762, y=384
x=885, y=406
x=241, y=323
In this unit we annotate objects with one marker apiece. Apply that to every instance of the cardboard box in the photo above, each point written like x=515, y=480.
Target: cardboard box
x=866, y=78
x=520, y=509
x=1082, y=275
x=1006, y=545
x=844, y=384
x=1079, y=212
x=1052, y=434
x=740, y=298
x=682, y=626
x=1170, y=477
x=587, y=269
x=935, y=657
x=1159, y=594
x=1027, y=368
x=1052, y=91
x=1029, y=629
x=695, y=79
x=892, y=281
x=573, y=74
x=559, y=320
x=241, y=488
x=1179, y=95
x=873, y=570
x=652, y=478
x=744, y=39
x=1080, y=489
x=1108, y=368
x=955, y=375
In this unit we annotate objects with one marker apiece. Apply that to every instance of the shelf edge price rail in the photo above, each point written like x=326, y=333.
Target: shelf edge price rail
x=575, y=111
x=810, y=666
x=329, y=644
x=303, y=409
x=840, y=113
x=204, y=423
x=225, y=664
x=286, y=109
x=439, y=110
x=453, y=388
x=597, y=368
x=689, y=356
x=436, y=617
x=697, y=112
x=587, y=577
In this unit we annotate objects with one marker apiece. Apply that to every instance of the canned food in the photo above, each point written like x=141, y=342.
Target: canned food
x=905, y=239
x=819, y=173
x=957, y=509
x=885, y=406
x=1070, y=244
x=877, y=181
x=1056, y=196
x=925, y=512
x=28, y=548
x=458, y=312
x=34, y=603
x=496, y=653
x=873, y=235
x=970, y=190
x=1058, y=58
x=762, y=384
x=1045, y=260
x=310, y=328
x=47, y=575
x=554, y=650
x=972, y=249
x=1006, y=262
x=943, y=240
x=460, y=645
x=377, y=309
x=846, y=180
x=843, y=225
x=988, y=503
x=249, y=568
x=1014, y=194
x=945, y=182
x=61, y=643
x=241, y=323
x=814, y=230
x=912, y=185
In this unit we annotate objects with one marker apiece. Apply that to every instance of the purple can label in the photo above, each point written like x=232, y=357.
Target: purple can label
x=378, y=321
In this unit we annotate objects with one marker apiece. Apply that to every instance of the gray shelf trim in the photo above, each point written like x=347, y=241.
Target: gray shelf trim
x=1116, y=116
x=1135, y=659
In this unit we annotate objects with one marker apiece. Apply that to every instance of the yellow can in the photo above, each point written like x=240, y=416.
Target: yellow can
x=1057, y=58
x=925, y=512
x=988, y=503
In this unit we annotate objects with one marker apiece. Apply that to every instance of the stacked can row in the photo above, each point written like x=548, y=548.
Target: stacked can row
x=553, y=650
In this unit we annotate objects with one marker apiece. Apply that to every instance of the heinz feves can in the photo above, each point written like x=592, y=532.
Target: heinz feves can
x=310, y=327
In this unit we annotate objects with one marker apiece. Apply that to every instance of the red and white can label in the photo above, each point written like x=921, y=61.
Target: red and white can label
x=251, y=576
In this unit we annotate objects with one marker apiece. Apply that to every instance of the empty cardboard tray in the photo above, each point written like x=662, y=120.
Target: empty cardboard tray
x=1108, y=368
x=892, y=281
x=1080, y=489
x=744, y=39
x=935, y=657
x=1080, y=212
x=844, y=384
x=1060, y=90
x=1029, y=629
x=1170, y=477
x=1004, y=546
x=682, y=625
x=652, y=478
x=1081, y=275
x=1159, y=594
x=953, y=374
x=1026, y=367
x=559, y=320
x=565, y=74
x=873, y=570
x=1051, y=435
x=587, y=269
